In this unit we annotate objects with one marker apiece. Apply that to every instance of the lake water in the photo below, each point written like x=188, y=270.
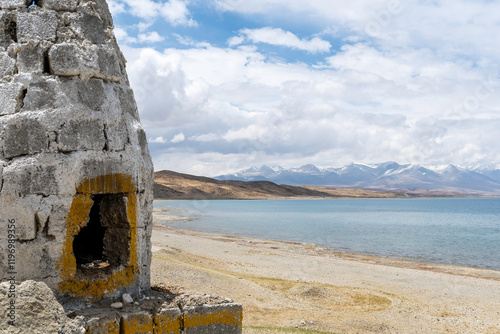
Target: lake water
x=457, y=231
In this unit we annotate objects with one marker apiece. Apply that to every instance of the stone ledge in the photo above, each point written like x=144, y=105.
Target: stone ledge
x=156, y=313
x=165, y=313
x=201, y=319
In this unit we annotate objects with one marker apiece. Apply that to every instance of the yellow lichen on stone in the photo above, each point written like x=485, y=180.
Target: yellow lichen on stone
x=229, y=317
x=77, y=218
x=167, y=322
x=141, y=323
x=108, y=328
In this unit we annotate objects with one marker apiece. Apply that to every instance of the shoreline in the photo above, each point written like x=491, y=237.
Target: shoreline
x=483, y=273
x=294, y=286
x=164, y=215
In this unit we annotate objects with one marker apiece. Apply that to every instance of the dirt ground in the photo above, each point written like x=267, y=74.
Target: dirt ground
x=300, y=288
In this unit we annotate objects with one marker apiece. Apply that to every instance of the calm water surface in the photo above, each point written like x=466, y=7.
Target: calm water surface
x=458, y=231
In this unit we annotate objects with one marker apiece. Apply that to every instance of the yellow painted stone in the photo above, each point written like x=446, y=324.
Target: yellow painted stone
x=77, y=218
x=139, y=323
x=231, y=317
x=111, y=327
x=167, y=322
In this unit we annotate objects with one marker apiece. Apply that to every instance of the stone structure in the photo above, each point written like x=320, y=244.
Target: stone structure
x=75, y=171
x=38, y=312
x=76, y=184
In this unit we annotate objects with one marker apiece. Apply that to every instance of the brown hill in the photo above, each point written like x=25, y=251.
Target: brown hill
x=172, y=185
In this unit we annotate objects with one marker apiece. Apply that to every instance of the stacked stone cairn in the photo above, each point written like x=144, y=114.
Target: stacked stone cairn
x=76, y=182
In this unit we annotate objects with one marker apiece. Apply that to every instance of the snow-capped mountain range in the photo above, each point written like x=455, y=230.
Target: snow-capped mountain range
x=385, y=176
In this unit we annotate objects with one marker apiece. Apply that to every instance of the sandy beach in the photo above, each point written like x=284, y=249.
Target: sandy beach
x=301, y=288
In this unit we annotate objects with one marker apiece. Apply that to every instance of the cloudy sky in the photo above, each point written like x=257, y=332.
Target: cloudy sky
x=224, y=85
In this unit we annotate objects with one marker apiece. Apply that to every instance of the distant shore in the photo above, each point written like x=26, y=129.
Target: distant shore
x=296, y=285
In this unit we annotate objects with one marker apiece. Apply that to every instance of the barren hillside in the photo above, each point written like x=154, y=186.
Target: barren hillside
x=172, y=185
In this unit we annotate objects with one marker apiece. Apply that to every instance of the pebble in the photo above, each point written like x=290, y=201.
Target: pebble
x=117, y=305
x=127, y=299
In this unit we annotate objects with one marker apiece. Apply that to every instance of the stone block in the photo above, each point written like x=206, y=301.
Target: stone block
x=38, y=258
x=91, y=28
x=91, y=93
x=77, y=135
x=127, y=101
x=143, y=141
x=59, y=207
x=13, y=4
x=36, y=25
x=208, y=319
x=25, y=136
x=41, y=95
x=64, y=59
x=21, y=211
x=104, y=12
x=108, y=63
x=30, y=58
x=37, y=311
x=92, y=167
x=69, y=5
x=11, y=95
x=9, y=32
x=107, y=324
x=7, y=64
x=117, y=136
x=137, y=323
x=29, y=177
x=168, y=321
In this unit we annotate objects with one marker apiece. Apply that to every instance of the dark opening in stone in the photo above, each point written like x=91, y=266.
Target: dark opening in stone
x=46, y=63
x=12, y=30
x=35, y=3
x=104, y=243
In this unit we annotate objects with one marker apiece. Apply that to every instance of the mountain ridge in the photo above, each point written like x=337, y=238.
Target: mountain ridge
x=172, y=185
x=388, y=176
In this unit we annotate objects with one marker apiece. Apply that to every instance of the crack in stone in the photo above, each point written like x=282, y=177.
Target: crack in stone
x=46, y=63
x=106, y=140
x=20, y=99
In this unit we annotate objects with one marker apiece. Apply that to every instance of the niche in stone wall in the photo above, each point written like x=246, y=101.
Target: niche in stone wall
x=103, y=244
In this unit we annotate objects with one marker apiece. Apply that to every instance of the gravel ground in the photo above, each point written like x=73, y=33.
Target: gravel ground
x=306, y=289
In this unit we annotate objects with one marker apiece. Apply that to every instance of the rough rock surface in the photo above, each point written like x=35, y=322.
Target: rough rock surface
x=71, y=144
x=36, y=311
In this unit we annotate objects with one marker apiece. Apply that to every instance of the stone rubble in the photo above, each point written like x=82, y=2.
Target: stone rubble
x=37, y=311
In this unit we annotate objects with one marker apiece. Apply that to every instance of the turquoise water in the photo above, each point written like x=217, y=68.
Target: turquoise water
x=457, y=231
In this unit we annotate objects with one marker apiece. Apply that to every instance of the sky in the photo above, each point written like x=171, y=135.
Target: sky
x=224, y=85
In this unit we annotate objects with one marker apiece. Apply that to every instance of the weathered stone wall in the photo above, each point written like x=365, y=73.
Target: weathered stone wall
x=70, y=142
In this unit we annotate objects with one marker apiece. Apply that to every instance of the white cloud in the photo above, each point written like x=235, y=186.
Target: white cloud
x=160, y=140
x=235, y=40
x=207, y=137
x=175, y=12
x=120, y=33
x=150, y=37
x=371, y=106
x=422, y=89
x=178, y=138
x=116, y=8
x=184, y=40
x=277, y=36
